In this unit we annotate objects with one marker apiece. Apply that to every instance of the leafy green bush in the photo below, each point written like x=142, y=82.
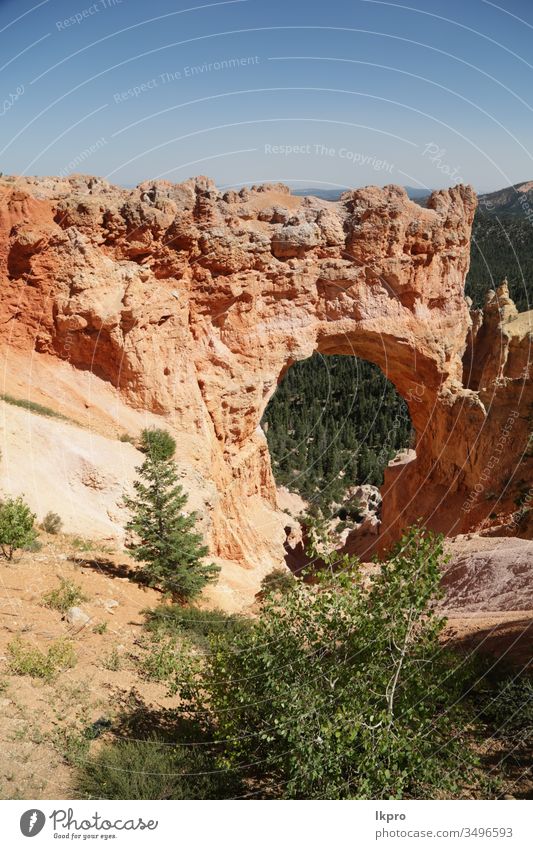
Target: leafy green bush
x=125, y=437
x=152, y=769
x=164, y=660
x=338, y=691
x=52, y=523
x=68, y=594
x=198, y=625
x=16, y=526
x=25, y=659
x=158, y=443
x=277, y=581
x=171, y=552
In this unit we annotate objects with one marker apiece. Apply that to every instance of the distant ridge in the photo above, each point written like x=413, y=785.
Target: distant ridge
x=323, y=194
x=513, y=200
x=334, y=194
x=330, y=194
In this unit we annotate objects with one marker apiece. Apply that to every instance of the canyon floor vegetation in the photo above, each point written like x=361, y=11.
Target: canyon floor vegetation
x=334, y=689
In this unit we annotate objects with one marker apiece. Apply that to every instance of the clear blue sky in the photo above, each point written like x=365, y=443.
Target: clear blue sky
x=345, y=92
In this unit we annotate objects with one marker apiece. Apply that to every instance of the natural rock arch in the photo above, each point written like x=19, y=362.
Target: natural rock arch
x=192, y=303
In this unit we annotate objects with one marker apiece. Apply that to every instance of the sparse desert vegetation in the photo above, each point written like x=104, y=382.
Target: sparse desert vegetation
x=27, y=659
x=144, y=678
x=52, y=523
x=32, y=406
x=54, y=711
x=67, y=594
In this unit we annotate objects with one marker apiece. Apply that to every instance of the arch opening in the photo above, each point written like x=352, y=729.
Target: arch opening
x=332, y=426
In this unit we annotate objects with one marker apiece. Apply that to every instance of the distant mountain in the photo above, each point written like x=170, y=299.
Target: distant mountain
x=417, y=194
x=513, y=200
x=334, y=194
x=323, y=194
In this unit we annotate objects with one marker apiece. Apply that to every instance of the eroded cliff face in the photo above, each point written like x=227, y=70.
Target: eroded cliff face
x=193, y=304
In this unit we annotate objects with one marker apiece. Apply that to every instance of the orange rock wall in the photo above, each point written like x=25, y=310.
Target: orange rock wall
x=194, y=303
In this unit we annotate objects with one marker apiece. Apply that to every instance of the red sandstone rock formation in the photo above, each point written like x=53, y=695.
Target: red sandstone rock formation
x=193, y=304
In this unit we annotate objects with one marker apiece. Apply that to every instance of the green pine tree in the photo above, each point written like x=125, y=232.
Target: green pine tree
x=170, y=550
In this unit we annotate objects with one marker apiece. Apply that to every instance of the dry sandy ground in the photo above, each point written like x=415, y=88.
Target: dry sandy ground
x=504, y=637
x=40, y=719
x=489, y=596
x=488, y=574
